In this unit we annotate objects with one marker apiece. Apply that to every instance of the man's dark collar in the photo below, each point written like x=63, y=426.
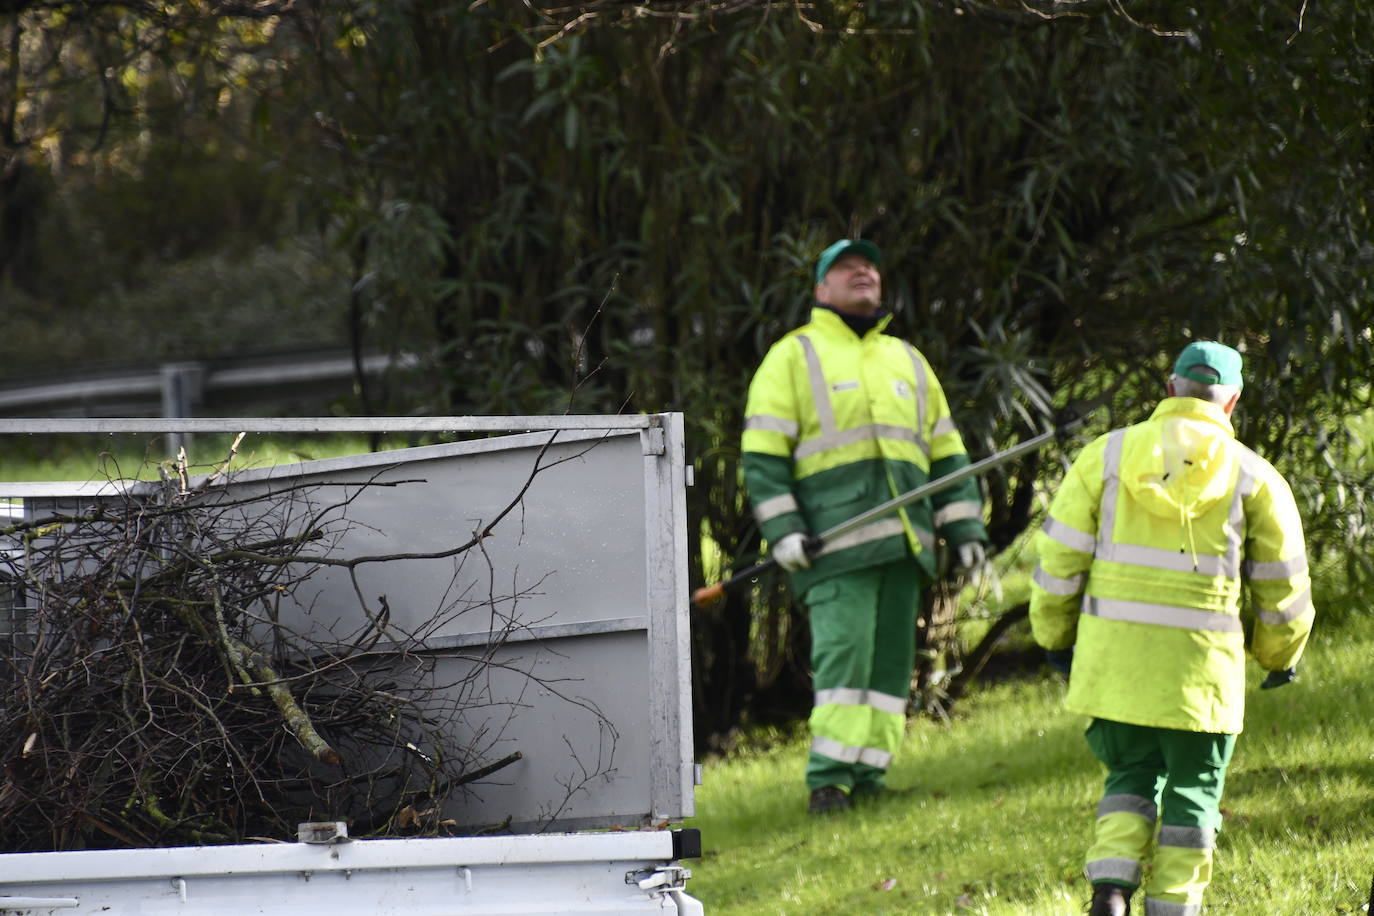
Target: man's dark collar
x=859, y=324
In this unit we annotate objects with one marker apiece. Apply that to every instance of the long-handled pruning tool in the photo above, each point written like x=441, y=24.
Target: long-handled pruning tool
x=710, y=594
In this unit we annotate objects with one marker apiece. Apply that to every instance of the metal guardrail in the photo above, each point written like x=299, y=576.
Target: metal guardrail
x=180, y=389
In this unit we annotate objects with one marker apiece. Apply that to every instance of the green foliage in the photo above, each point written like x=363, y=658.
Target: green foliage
x=593, y=208
x=99, y=458
x=136, y=219
x=217, y=304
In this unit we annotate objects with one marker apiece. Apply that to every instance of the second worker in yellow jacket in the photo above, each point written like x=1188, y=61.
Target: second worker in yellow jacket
x=1152, y=540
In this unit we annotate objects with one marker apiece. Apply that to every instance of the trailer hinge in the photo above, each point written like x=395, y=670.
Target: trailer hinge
x=322, y=833
x=652, y=440
x=662, y=880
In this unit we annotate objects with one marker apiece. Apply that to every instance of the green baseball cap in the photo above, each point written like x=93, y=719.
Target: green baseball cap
x=1210, y=363
x=842, y=248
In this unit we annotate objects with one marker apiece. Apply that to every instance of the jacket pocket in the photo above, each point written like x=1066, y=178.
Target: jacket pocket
x=854, y=489
x=821, y=592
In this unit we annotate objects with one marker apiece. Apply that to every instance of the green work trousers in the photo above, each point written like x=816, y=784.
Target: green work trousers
x=1159, y=775
x=863, y=645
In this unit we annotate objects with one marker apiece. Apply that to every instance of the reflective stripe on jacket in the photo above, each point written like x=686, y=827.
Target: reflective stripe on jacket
x=1150, y=540
x=836, y=424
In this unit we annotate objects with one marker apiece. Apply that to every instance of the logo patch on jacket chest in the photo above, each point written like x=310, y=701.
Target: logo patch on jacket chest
x=901, y=388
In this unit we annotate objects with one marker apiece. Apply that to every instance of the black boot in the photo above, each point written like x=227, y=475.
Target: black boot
x=827, y=800
x=1110, y=900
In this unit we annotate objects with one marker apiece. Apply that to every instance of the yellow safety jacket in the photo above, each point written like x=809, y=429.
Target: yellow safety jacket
x=1152, y=539
x=836, y=424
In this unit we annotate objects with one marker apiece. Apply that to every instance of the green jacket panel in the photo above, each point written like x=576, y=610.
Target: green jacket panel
x=1151, y=540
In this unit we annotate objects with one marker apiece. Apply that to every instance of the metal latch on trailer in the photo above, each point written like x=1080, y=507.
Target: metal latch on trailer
x=662, y=880
x=671, y=877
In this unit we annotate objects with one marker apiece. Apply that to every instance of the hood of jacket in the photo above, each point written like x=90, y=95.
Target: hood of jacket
x=1179, y=464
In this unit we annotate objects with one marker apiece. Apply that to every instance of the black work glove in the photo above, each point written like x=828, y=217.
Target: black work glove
x=1279, y=678
x=1060, y=660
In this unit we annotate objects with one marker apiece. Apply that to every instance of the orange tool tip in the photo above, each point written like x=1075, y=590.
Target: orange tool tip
x=707, y=596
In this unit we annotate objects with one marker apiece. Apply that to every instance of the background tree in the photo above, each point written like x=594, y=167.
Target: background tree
x=135, y=204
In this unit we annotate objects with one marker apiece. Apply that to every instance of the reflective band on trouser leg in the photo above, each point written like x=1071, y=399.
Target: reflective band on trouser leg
x=1155, y=907
x=834, y=750
x=1113, y=871
x=831, y=761
x=840, y=733
x=885, y=732
x=847, y=733
x=1123, y=803
x=842, y=726
x=894, y=654
x=858, y=696
x=1121, y=842
x=1182, y=869
x=841, y=611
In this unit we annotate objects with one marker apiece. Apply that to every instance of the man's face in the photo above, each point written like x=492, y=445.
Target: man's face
x=852, y=285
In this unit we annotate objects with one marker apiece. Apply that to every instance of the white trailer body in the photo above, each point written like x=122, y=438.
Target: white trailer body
x=629, y=872
x=590, y=575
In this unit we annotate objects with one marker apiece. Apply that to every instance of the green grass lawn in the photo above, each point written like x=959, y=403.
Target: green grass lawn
x=1001, y=803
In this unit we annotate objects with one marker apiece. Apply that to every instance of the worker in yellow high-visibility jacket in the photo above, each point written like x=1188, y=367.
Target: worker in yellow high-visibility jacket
x=1152, y=539
x=840, y=418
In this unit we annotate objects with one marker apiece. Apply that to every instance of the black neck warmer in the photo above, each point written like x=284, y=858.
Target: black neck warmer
x=859, y=324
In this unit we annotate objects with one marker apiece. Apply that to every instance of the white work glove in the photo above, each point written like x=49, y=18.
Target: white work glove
x=790, y=552
x=972, y=555
x=973, y=562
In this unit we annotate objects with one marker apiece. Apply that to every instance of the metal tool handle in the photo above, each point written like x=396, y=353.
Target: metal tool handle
x=710, y=594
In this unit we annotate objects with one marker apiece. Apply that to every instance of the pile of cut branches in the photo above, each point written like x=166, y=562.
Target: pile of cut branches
x=151, y=694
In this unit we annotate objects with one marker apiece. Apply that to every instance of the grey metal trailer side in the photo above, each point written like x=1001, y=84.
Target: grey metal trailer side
x=592, y=573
